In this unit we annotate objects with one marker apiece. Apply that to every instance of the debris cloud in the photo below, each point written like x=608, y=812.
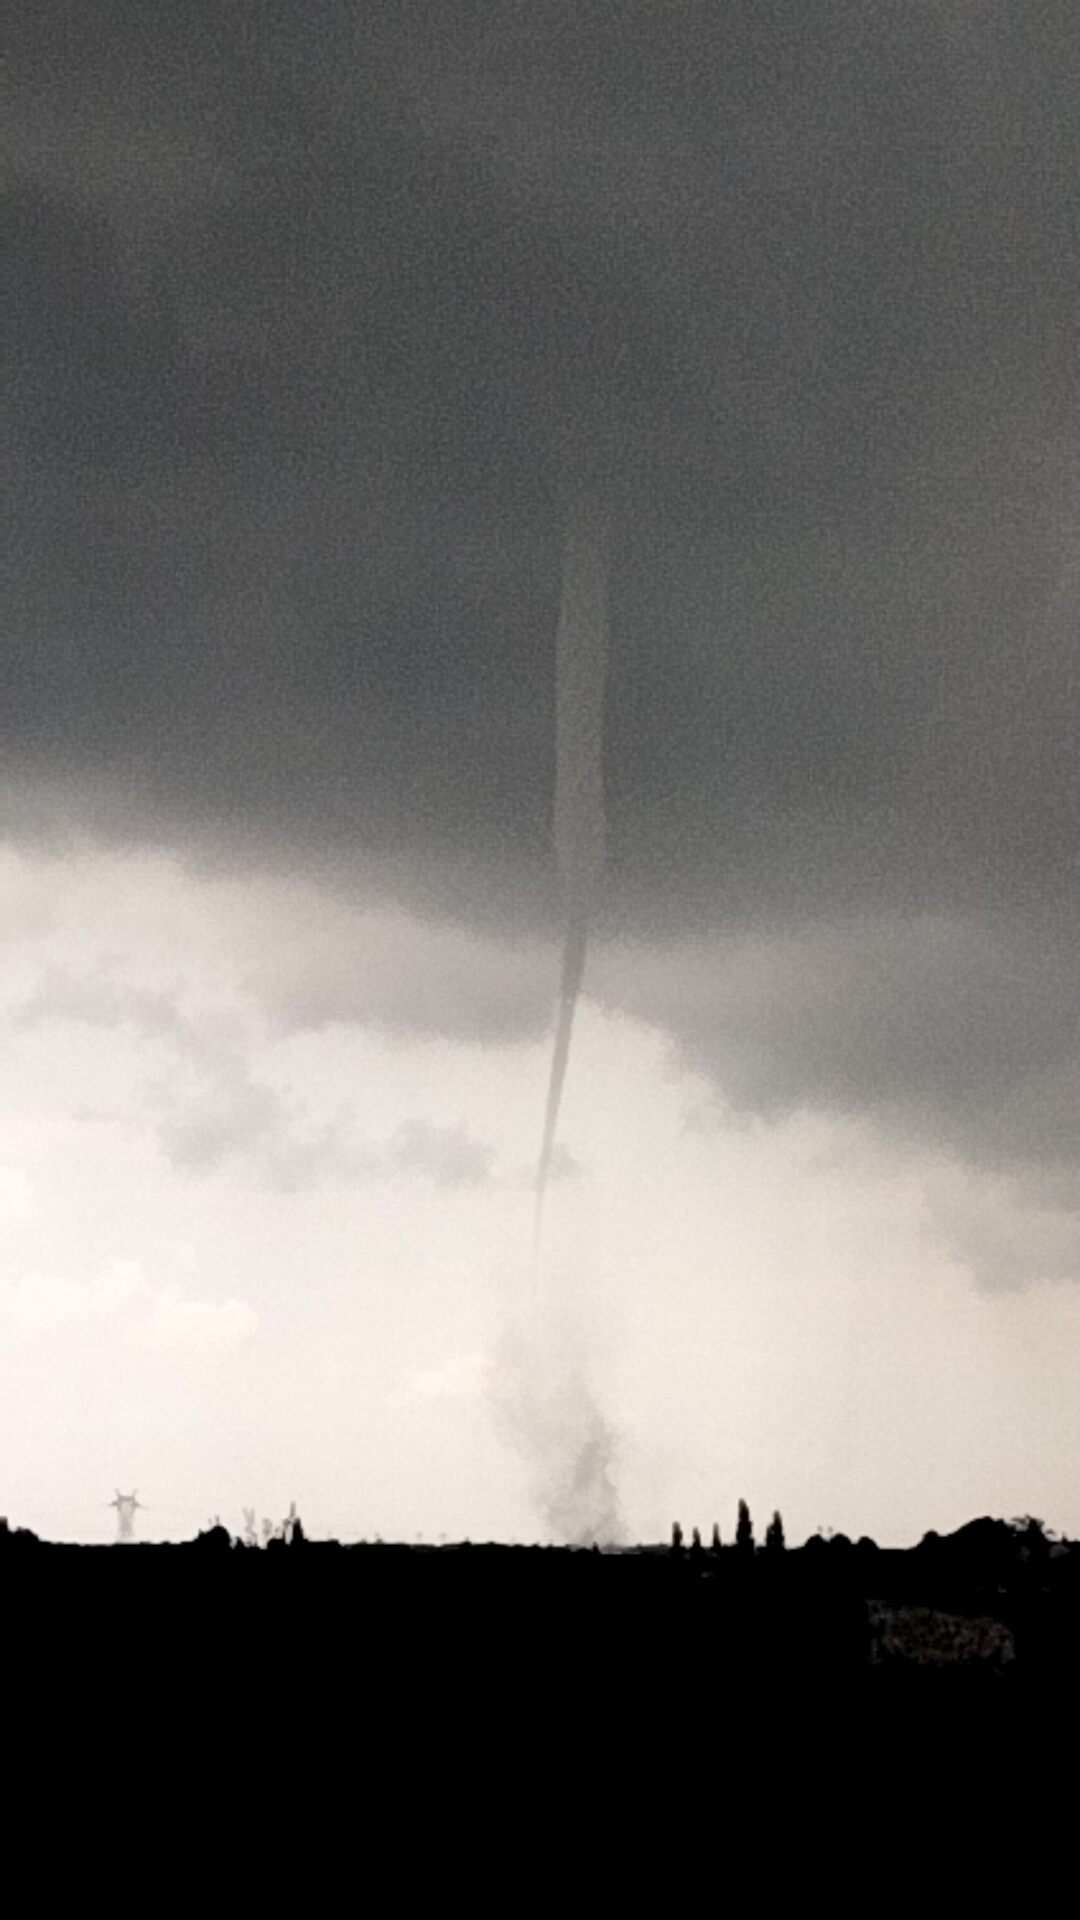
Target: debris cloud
x=544, y=1409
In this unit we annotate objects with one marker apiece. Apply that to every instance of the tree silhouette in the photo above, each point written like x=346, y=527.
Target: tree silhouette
x=774, y=1534
x=715, y=1538
x=676, y=1538
x=744, y=1532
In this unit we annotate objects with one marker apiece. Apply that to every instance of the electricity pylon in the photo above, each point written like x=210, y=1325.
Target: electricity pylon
x=125, y=1504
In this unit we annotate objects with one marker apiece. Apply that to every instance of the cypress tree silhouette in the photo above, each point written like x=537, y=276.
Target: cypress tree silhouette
x=744, y=1532
x=774, y=1534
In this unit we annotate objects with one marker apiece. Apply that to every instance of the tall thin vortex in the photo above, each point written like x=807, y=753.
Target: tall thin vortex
x=580, y=667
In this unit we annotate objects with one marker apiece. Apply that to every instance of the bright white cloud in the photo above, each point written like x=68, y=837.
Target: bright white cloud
x=45, y=1302
x=122, y=1299
x=193, y=1324
x=17, y=1201
x=462, y=1377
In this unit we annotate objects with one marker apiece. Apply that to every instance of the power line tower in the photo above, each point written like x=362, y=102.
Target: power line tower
x=126, y=1505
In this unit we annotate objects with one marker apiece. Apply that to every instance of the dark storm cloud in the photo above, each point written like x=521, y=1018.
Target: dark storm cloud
x=406, y=977
x=951, y=1027
x=312, y=304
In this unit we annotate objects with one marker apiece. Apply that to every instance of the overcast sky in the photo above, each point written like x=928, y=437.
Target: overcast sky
x=313, y=305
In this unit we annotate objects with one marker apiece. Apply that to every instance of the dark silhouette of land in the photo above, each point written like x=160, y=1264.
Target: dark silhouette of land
x=987, y=1612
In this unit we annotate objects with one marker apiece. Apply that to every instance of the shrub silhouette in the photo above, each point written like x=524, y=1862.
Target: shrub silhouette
x=215, y=1536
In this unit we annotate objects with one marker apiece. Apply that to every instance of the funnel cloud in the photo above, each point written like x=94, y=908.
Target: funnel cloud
x=581, y=659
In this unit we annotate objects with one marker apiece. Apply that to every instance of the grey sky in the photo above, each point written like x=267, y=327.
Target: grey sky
x=316, y=311
x=310, y=306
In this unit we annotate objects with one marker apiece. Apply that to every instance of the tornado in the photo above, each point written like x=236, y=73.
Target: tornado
x=580, y=668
